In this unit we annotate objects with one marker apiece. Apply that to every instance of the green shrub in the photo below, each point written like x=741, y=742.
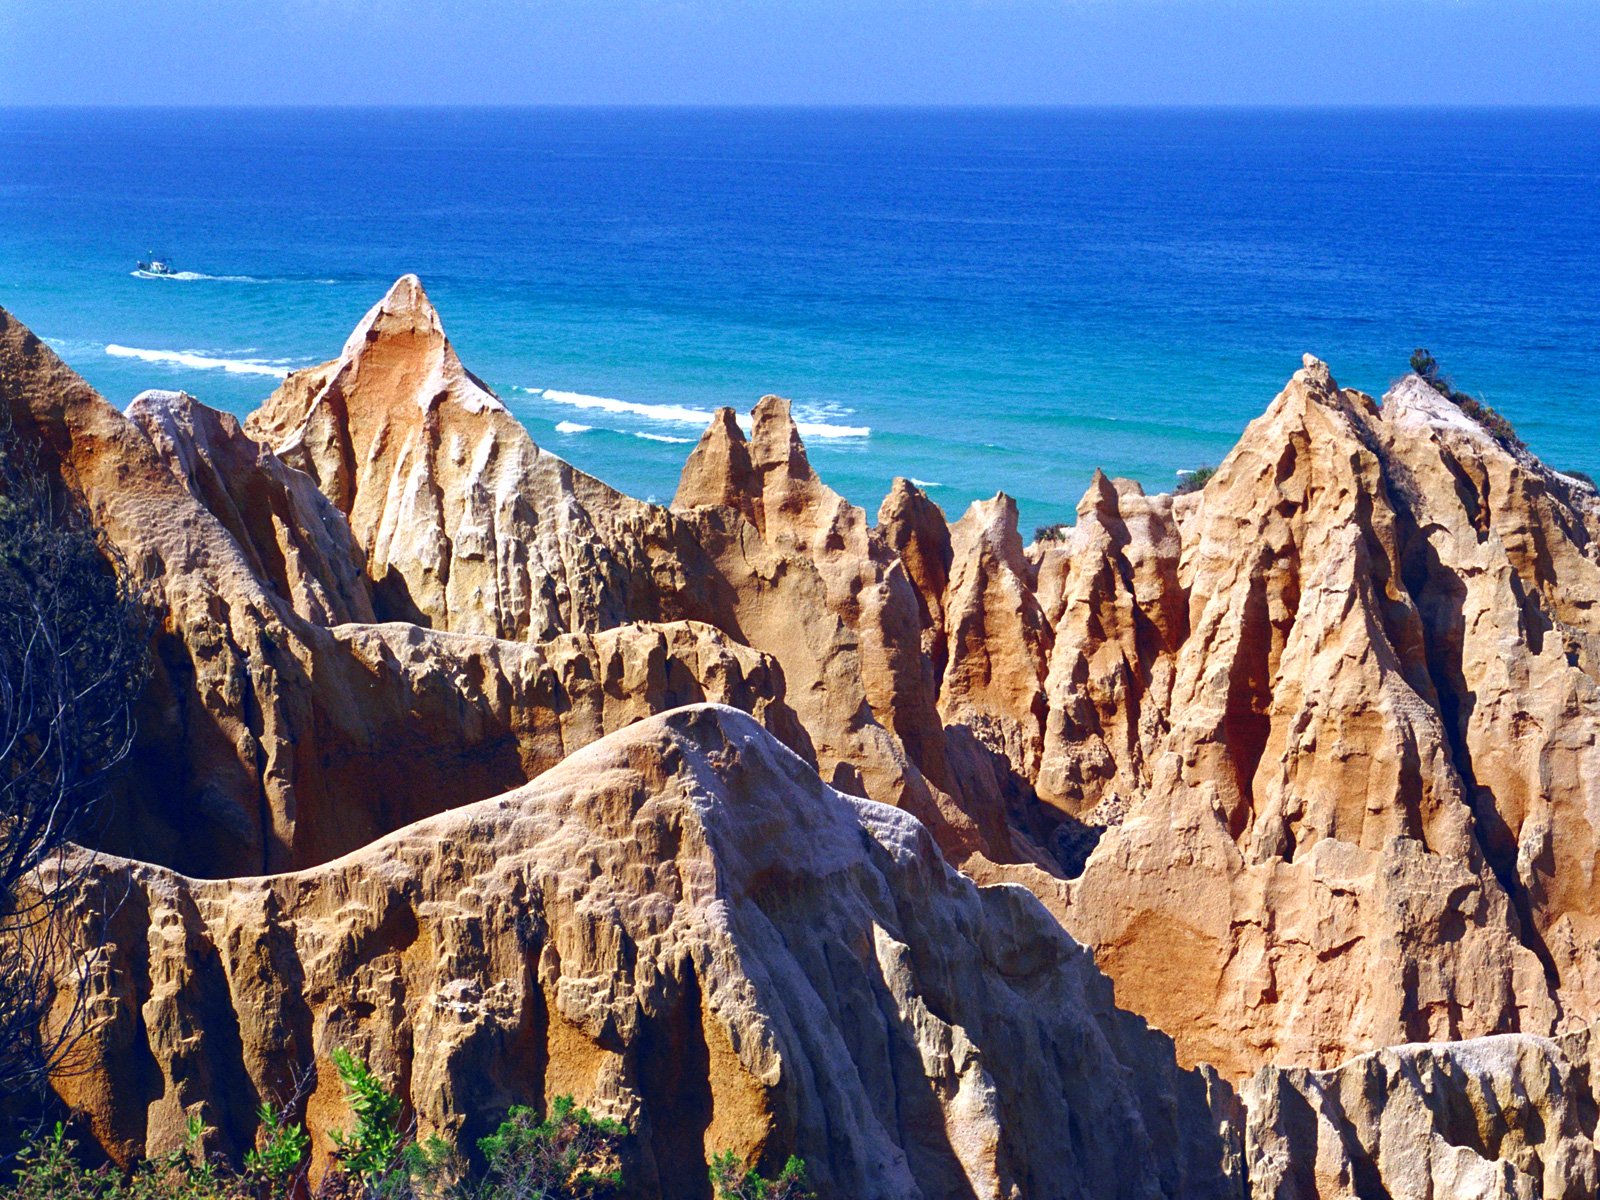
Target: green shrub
x=731, y=1181
x=1050, y=533
x=280, y=1149
x=378, y=1160
x=372, y=1148
x=47, y=1168
x=1194, y=480
x=569, y=1155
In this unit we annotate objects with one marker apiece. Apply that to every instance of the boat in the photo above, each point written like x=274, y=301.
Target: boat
x=156, y=266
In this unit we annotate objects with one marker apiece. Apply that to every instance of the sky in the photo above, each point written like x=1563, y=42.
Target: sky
x=1336, y=52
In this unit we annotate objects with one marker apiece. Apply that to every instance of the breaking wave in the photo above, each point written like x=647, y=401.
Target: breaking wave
x=572, y=427
x=682, y=414
x=662, y=437
x=197, y=361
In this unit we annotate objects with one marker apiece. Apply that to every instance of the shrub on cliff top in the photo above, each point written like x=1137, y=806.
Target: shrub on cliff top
x=1497, y=427
x=1194, y=481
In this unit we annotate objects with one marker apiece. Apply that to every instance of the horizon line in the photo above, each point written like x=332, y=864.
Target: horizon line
x=818, y=105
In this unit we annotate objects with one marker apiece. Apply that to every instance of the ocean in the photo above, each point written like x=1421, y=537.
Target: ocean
x=980, y=300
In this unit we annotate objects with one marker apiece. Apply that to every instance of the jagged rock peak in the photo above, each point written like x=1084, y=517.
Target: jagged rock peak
x=999, y=639
x=767, y=479
x=406, y=323
x=915, y=528
x=296, y=542
x=719, y=472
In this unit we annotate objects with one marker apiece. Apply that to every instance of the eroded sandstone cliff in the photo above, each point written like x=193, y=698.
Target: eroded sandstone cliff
x=686, y=927
x=1306, y=760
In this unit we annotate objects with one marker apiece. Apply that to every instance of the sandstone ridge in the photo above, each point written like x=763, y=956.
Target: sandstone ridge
x=684, y=926
x=1306, y=760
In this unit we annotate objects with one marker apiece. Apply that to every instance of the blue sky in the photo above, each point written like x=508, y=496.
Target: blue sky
x=800, y=51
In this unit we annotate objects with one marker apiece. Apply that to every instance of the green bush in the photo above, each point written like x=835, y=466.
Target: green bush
x=372, y=1148
x=280, y=1150
x=570, y=1155
x=1194, y=480
x=1050, y=533
x=48, y=1168
x=378, y=1160
x=731, y=1181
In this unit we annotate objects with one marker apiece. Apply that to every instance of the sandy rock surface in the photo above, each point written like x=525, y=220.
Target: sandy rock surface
x=1306, y=760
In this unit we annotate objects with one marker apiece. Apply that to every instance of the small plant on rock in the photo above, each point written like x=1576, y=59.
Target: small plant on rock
x=730, y=1180
x=279, y=1152
x=47, y=1168
x=378, y=1160
x=1193, y=481
x=372, y=1148
x=570, y=1155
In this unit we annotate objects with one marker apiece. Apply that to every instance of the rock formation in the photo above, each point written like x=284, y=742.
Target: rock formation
x=269, y=740
x=1497, y=1118
x=684, y=926
x=1307, y=761
x=467, y=525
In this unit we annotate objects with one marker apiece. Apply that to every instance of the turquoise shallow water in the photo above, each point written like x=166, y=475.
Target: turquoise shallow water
x=978, y=299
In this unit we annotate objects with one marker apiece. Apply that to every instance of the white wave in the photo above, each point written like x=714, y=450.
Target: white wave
x=829, y=431
x=195, y=360
x=925, y=483
x=676, y=414
x=662, y=437
x=572, y=427
x=682, y=414
x=192, y=276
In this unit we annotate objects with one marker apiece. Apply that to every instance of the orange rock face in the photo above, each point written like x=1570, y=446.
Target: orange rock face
x=1301, y=858
x=1306, y=760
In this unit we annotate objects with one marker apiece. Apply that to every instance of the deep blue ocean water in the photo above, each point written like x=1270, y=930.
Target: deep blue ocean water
x=1005, y=299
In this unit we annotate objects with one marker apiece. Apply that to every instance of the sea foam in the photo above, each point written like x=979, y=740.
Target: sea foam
x=197, y=361
x=682, y=414
x=572, y=427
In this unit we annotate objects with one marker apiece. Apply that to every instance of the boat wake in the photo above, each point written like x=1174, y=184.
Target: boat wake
x=191, y=276
x=202, y=277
